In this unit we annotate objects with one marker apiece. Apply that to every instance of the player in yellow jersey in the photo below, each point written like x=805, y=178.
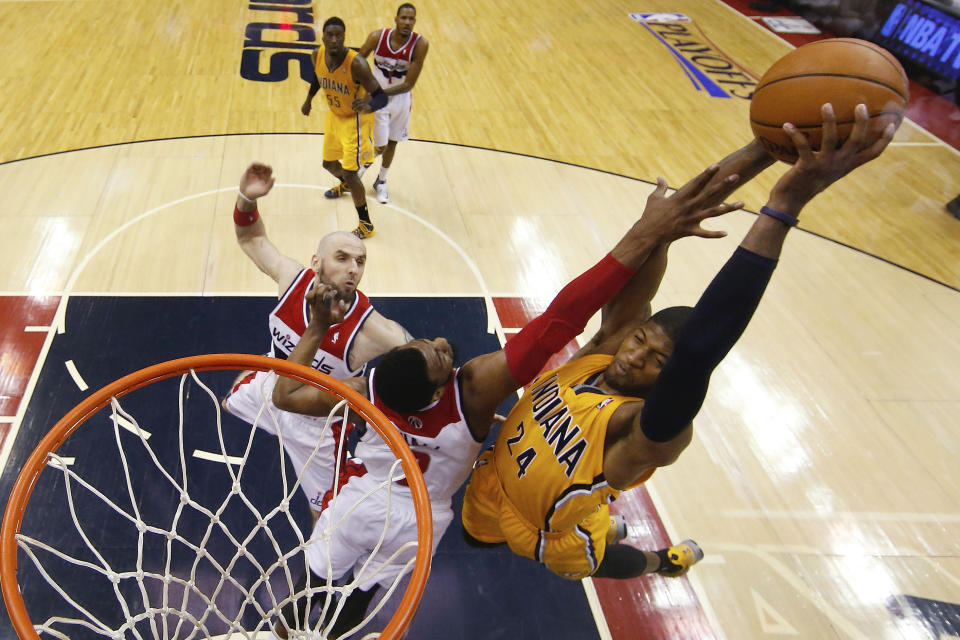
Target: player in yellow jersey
x=352, y=94
x=454, y=407
x=624, y=405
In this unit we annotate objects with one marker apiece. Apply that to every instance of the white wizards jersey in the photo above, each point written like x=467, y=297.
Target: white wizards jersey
x=389, y=65
x=289, y=320
x=438, y=436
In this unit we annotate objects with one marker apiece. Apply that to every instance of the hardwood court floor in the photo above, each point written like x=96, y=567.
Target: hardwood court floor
x=578, y=82
x=825, y=453
x=823, y=478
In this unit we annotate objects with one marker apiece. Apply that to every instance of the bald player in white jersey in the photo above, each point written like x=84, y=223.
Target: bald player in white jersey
x=361, y=335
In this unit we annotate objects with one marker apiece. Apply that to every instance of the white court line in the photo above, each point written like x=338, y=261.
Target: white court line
x=217, y=457
x=123, y=423
x=915, y=144
x=60, y=318
x=59, y=322
x=77, y=378
x=692, y=576
x=916, y=554
x=36, y=329
x=866, y=516
x=487, y=300
x=594, y=600
x=25, y=399
x=794, y=581
x=7, y=418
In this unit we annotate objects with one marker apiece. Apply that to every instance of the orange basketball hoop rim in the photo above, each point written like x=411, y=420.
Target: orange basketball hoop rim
x=35, y=464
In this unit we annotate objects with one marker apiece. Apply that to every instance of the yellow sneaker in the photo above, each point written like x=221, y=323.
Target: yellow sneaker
x=681, y=556
x=364, y=230
x=617, y=530
x=337, y=191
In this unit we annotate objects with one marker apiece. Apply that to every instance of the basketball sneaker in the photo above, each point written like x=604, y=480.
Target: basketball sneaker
x=617, y=530
x=380, y=186
x=364, y=230
x=337, y=191
x=679, y=558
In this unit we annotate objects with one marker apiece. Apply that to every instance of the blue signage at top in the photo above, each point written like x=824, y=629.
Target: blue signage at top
x=924, y=34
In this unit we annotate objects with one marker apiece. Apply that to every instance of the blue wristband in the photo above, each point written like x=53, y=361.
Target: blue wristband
x=378, y=100
x=785, y=218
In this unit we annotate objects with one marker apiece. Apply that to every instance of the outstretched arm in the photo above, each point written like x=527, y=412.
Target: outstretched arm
x=255, y=183
x=491, y=378
x=326, y=308
x=631, y=304
x=726, y=307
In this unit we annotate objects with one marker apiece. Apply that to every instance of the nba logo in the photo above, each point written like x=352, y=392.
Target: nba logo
x=336, y=335
x=659, y=17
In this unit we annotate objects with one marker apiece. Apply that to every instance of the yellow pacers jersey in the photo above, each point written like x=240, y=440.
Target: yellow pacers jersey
x=549, y=454
x=338, y=85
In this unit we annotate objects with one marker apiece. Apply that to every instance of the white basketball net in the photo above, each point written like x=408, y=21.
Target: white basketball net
x=160, y=600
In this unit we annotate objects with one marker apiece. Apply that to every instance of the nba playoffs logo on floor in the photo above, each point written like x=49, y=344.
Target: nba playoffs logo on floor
x=708, y=68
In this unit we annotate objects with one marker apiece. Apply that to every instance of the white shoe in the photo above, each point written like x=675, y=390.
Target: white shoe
x=380, y=186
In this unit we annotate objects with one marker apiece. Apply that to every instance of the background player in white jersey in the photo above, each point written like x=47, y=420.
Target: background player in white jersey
x=361, y=335
x=398, y=56
x=444, y=412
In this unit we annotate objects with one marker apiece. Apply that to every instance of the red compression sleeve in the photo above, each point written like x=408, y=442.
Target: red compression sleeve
x=245, y=218
x=565, y=318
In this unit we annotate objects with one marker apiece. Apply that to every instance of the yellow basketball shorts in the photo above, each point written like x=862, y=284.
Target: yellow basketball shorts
x=348, y=139
x=489, y=516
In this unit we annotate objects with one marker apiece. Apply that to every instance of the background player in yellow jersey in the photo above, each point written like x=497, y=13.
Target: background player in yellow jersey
x=603, y=422
x=346, y=81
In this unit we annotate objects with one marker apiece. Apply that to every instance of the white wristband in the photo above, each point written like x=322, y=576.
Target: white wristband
x=245, y=198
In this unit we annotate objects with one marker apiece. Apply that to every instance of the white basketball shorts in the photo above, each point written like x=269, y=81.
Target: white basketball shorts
x=391, y=122
x=348, y=531
x=310, y=444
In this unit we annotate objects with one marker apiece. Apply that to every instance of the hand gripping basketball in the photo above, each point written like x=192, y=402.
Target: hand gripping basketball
x=814, y=171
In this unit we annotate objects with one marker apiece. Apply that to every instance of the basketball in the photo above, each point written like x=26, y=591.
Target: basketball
x=842, y=71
